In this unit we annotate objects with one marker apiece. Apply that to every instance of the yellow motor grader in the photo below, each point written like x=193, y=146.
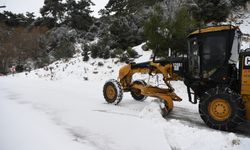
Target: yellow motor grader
x=215, y=71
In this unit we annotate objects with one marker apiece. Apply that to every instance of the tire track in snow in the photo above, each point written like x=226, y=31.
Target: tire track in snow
x=184, y=115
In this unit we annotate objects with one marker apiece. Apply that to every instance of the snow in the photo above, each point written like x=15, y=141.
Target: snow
x=72, y=114
x=98, y=6
x=80, y=114
x=22, y=128
x=146, y=54
x=62, y=107
x=245, y=29
x=59, y=109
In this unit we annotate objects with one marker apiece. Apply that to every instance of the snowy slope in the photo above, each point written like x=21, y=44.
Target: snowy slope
x=94, y=69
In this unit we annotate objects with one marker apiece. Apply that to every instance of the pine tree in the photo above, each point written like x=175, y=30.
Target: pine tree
x=125, y=7
x=157, y=30
x=13, y=19
x=181, y=27
x=79, y=14
x=30, y=17
x=164, y=34
x=53, y=9
x=116, y=6
x=211, y=10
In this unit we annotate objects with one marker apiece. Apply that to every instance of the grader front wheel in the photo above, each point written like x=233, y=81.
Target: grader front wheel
x=221, y=109
x=112, y=92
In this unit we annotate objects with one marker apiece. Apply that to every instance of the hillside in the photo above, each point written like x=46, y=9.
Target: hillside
x=101, y=69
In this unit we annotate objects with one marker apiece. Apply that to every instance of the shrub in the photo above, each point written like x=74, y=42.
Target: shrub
x=94, y=51
x=85, y=56
x=65, y=50
x=85, y=49
x=19, y=68
x=123, y=58
x=132, y=53
x=106, y=53
x=100, y=64
x=118, y=52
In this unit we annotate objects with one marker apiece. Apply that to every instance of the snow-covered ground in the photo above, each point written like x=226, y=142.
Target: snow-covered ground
x=63, y=108
x=72, y=114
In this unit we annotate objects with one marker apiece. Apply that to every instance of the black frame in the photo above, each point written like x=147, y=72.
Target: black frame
x=229, y=43
x=225, y=74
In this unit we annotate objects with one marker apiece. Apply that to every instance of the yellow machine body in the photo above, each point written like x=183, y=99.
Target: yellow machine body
x=245, y=84
x=246, y=99
x=126, y=74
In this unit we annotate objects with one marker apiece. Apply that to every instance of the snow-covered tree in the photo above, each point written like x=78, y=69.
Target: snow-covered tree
x=210, y=10
x=53, y=9
x=124, y=7
x=78, y=14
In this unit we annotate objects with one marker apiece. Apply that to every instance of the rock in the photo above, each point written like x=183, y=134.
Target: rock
x=100, y=64
x=145, y=47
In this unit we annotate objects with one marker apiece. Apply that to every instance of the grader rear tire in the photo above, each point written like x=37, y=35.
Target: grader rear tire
x=136, y=93
x=221, y=109
x=112, y=92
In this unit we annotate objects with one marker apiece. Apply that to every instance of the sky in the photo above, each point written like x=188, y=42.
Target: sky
x=22, y=6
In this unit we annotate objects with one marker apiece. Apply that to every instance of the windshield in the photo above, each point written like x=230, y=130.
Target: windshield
x=214, y=52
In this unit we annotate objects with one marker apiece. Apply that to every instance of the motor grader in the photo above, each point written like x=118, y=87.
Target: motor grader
x=215, y=71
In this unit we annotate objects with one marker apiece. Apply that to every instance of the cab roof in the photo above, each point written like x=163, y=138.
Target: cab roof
x=214, y=29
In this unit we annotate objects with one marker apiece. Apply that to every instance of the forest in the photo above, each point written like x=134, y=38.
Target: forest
x=30, y=42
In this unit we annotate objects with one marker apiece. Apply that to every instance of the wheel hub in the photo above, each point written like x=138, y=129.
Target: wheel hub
x=219, y=109
x=137, y=92
x=110, y=92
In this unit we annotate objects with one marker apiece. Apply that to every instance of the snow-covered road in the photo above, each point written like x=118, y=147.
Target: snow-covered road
x=72, y=114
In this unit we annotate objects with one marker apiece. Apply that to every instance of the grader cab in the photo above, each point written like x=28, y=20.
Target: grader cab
x=215, y=71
